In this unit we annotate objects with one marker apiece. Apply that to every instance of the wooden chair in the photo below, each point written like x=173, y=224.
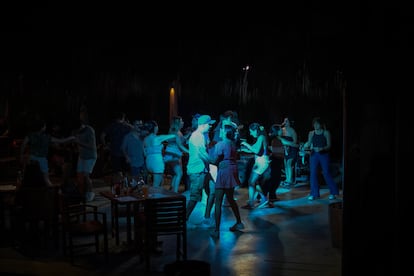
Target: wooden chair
x=165, y=216
x=80, y=222
x=36, y=211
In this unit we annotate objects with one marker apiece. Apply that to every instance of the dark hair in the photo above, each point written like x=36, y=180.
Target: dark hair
x=319, y=121
x=274, y=129
x=256, y=126
x=194, y=121
x=232, y=115
x=120, y=115
x=290, y=119
x=175, y=124
x=150, y=126
x=230, y=132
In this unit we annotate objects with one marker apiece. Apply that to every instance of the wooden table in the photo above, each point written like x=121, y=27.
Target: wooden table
x=7, y=193
x=7, y=188
x=132, y=203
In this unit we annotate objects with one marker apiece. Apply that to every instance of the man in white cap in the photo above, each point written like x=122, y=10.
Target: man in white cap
x=198, y=164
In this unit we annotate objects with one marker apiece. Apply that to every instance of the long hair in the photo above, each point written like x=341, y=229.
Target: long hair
x=274, y=130
x=230, y=132
x=319, y=121
x=260, y=129
x=175, y=124
x=150, y=126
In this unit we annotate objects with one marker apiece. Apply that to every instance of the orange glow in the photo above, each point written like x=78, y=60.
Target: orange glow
x=173, y=103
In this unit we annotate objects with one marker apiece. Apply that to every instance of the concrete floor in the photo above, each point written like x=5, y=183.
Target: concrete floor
x=293, y=238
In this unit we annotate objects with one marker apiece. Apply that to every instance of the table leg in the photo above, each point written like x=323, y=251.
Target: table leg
x=116, y=225
x=138, y=242
x=113, y=218
x=128, y=218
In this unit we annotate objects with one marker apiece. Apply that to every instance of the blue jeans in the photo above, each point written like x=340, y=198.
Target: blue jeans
x=323, y=160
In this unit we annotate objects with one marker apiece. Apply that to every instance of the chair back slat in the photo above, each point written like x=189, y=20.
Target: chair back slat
x=166, y=216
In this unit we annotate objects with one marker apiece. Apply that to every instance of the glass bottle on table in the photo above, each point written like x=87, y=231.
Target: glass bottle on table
x=117, y=183
x=140, y=186
x=117, y=188
x=125, y=185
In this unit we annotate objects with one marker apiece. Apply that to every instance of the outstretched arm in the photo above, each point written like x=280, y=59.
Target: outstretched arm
x=256, y=147
x=62, y=140
x=164, y=137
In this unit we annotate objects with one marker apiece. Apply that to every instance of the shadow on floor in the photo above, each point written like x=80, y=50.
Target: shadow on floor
x=293, y=238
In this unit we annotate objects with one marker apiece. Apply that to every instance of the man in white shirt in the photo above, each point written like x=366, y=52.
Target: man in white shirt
x=198, y=162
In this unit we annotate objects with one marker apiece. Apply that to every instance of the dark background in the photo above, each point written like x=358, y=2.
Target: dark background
x=344, y=61
x=121, y=56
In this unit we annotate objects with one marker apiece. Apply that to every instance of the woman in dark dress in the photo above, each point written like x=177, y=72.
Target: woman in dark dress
x=225, y=155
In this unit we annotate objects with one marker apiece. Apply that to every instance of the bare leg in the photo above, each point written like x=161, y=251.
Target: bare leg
x=233, y=204
x=289, y=171
x=178, y=174
x=218, y=201
x=157, y=179
x=259, y=191
x=210, y=199
x=252, y=188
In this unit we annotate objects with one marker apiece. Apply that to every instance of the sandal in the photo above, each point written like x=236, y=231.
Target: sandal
x=237, y=227
x=247, y=207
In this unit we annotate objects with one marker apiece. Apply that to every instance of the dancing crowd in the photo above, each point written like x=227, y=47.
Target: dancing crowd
x=201, y=159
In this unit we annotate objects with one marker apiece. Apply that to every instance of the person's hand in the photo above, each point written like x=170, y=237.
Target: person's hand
x=306, y=146
x=318, y=149
x=246, y=150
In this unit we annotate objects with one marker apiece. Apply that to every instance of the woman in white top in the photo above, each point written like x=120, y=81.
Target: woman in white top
x=174, y=151
x=290, y=143
x=261, y=163
x=153, y=146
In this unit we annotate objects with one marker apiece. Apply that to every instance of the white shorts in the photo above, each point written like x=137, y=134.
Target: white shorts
x=261, y=163
x=155, y=163
x=43, y=163
x=85, y=165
